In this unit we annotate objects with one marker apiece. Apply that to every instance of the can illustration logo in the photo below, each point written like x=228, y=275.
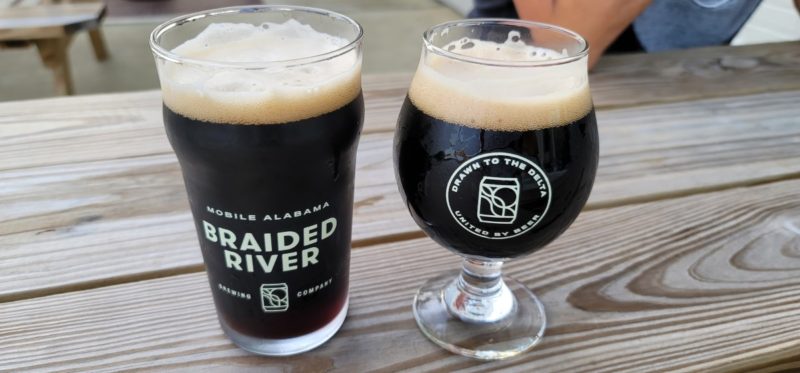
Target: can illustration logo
x=274, y=297
x=498, y=200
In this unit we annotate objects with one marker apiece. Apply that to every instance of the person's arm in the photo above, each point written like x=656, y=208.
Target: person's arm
x=598, y=21
x=797, y=5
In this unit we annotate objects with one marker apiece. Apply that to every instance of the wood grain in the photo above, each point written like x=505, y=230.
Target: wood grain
x=91, y=196
x=86, y=172
x=643, y=79
x=647, y=153
x=92, y=117
x=56, y=215
x=702, y=283
x=124, y=125
x=696, y=73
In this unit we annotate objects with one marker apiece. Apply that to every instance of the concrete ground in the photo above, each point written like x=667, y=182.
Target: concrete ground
x=392, y=41
x=393, y=30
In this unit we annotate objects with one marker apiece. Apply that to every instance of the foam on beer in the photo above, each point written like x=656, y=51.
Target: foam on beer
x=273, y=92
x=490, y=94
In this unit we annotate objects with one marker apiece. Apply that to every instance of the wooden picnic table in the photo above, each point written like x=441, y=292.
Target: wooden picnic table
x=50, y=25
x=680, y=261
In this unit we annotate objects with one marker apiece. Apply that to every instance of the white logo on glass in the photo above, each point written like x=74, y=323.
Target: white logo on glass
x=274, y=297
x=498, y=200
x=489, y=206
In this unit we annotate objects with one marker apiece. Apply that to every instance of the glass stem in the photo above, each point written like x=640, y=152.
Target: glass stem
x=479, y=294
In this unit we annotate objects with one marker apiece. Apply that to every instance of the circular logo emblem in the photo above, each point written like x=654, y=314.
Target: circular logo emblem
x=498, y=195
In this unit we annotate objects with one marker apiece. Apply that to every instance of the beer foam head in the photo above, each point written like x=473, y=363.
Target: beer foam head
x=240, y=73
x=509, y=86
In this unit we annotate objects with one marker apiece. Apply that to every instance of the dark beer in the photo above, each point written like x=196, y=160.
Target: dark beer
x=263, y=108
x=495, y=152
x=428, y=151
x=259, y=181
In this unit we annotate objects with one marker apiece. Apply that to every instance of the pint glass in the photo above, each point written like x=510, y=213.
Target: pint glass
x=263, y=108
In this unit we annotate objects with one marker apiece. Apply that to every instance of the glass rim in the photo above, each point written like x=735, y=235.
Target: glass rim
x=583, y=52
x=161, y=52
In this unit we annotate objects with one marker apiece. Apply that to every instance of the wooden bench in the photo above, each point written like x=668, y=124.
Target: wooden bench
x=50, y=27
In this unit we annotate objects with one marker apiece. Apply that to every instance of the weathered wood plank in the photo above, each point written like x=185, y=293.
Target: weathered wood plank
x=55, y=216
x=80, y=129
x=649, y=152
x=113, y=126
x=685, y=75
x=691, y=74
x=700, y=283
x=132, y=121
x=674, y=149
x=646, y=153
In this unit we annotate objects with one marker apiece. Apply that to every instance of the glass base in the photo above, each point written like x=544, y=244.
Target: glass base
x=288, y=346
x=514, y=333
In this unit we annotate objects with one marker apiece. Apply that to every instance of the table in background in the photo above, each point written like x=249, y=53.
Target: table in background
x=50, y=26
x=678, y=262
